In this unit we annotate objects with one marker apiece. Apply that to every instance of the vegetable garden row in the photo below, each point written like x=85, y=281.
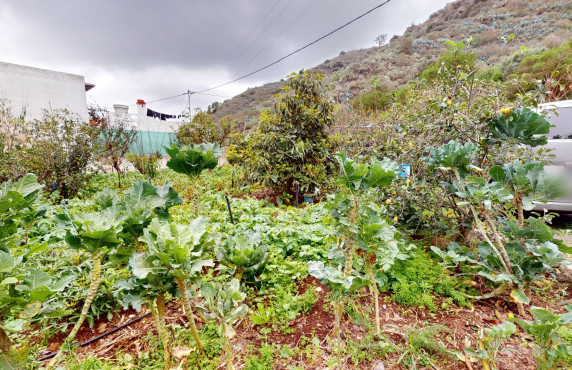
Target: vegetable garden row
x=193, y=247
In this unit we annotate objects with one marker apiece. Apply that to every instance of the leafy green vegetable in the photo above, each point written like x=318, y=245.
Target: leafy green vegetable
x=244, y=252
x=521, y=126
x=223, y=304
x=453, y=155
x=192, y=159
x=362, y=176
x=550, y=351
x=339, y=285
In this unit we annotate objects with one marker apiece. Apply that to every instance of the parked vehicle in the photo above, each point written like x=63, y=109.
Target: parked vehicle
x=559, y=114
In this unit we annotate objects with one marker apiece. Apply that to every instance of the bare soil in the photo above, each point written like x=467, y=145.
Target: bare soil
x=462, y=323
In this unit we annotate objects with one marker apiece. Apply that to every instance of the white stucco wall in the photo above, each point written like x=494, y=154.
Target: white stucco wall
x=145, y=123
x=38, y=89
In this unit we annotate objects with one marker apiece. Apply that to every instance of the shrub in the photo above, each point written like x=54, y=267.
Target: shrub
x=60, y=149
x=115, y=138
x=552, y=67
x=454, y=59
x=147, y=165
x=291, y=143
x=12, y=142
x=415, y=281
x=202, y=129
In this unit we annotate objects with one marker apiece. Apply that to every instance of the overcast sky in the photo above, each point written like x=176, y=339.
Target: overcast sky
x=133, y=49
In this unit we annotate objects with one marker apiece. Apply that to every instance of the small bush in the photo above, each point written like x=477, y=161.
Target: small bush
x=203, y=129
x=455, y=59
x=415, y=282
x=59, y=149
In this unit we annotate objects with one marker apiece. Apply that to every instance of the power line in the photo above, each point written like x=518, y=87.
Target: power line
x=297, y=50
x=218, y=96
x=262, y=31
x=294, y=20
x=250, y=33
x=183, y=94
x=278, y=60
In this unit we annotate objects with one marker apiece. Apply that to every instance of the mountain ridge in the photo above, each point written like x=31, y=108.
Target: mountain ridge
x=489, y=23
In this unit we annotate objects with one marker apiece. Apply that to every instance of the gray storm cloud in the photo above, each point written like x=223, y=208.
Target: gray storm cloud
x=153, y=49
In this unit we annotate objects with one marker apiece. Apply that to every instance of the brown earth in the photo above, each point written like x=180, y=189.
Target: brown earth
x=462, y=323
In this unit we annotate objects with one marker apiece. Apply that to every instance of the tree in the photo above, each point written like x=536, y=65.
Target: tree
x=115, y=139
x=381, y=39
x=291, y=143
x=202, y=129
x=213, y=107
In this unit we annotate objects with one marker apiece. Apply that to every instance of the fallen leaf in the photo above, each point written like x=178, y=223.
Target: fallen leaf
x=181, y=352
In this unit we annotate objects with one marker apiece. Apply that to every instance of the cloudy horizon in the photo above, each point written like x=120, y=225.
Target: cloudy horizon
x=133, y=50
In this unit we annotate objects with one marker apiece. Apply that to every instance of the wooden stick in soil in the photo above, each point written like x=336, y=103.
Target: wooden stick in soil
x=95, y=280
x=338, y=311
x=520, y=211
x=190, y=316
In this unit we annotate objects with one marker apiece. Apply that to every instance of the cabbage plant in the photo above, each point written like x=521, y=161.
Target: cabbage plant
x=114, y=227
x=223, y=304
x=339, y=286
x=174, y=256
x=193, y=159
x=357, y=181
x=244, y=253
x=96, y=233
x=525, y=251
x=22, y=293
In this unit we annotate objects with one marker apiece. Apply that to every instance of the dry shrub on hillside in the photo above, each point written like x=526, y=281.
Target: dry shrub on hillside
x=487, y=37
x=406, y=45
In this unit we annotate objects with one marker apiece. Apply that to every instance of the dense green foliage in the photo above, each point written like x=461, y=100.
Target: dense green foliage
x=59, y=148
x=337, y=283
x=291, y=143
x=202, y=129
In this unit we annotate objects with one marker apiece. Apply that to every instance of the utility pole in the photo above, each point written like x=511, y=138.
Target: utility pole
x=189, y=93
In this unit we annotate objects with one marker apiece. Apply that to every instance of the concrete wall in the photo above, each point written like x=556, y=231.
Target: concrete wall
x=153, y=134
x=38, y=89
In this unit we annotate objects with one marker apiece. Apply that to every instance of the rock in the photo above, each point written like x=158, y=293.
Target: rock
x=473, y=238
x=379, y=366
x=564, y=272
x=101, y=328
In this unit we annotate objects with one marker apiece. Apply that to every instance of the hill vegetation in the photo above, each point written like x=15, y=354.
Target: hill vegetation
x=537, y=25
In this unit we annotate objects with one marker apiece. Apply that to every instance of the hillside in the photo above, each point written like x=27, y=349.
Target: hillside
x=536, y=24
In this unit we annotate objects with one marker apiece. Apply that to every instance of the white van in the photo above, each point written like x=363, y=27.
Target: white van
x=559, y=114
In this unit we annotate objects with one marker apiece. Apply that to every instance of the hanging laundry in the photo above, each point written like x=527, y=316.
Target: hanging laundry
x=161, y=116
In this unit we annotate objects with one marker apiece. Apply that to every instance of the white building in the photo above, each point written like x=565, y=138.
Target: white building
x=35, y=89
x=154, y=133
